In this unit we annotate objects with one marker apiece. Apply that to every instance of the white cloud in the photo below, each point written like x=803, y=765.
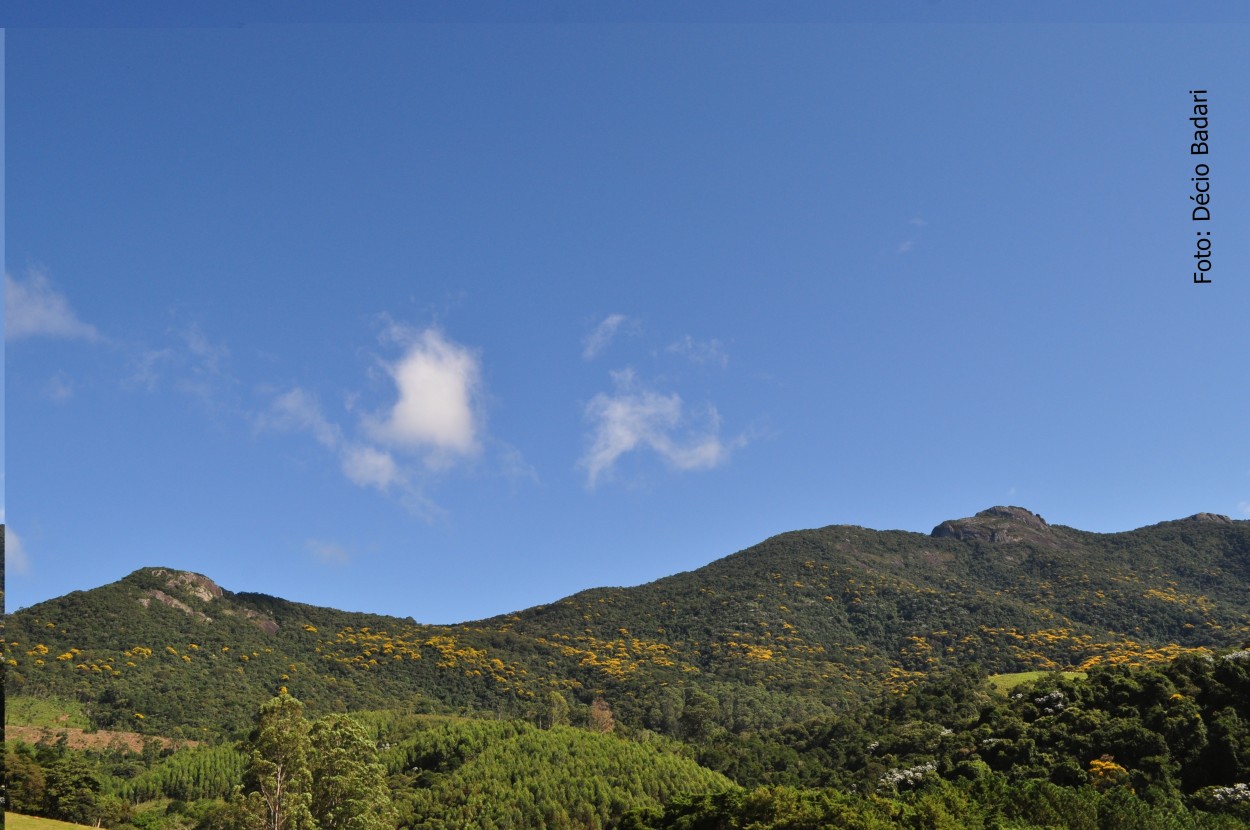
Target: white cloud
x=328, y=553
x=906, y=246
x=918, y=222
x=700, y=351
x=15, y=559
x=439, y=383
x=1244, y=507
x=35, y=309
x=370, y=467
x=638, y=418
x=599, y=339
x=435, y=417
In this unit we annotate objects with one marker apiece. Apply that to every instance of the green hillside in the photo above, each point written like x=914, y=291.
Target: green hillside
x=804, y=624
x=1000, y=672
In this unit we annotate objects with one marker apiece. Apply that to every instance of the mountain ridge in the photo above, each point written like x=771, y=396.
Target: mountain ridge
x=804, y=622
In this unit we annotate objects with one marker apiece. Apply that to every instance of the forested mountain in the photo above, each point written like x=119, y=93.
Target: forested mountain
x=839, y=677
x=807, y=623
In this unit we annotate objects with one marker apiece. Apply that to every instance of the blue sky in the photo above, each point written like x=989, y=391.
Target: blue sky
x=447, y=318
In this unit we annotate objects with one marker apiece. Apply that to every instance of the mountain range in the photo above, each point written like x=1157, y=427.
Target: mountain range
x=806, y=623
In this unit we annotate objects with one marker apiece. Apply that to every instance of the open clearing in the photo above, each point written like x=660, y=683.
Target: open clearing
x=1006, y=682
x=16, y=821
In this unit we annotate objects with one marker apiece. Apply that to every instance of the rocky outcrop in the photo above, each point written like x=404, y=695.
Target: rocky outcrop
x=172, y=602
x=262, y=621
x=997, y=525
x=196, y=585
x=1213, y=518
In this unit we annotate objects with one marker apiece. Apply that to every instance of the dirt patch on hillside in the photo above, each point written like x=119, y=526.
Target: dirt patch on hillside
x=101, y=739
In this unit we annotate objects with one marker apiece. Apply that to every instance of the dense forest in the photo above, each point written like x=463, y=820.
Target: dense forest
x=1000, y=672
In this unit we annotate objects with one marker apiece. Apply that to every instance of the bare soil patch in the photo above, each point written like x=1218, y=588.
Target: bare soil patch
x=100, y=739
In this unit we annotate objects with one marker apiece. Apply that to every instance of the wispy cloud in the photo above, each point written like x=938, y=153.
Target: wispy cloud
x=147, y=366
x=209, y=356
x=437, y=412
x=599, y=339
x=190, y=362
x=328, y=553
x=34, y=308
x=296, y=410
x=1244, y=507
x=59, y=388
x=907, y=245
x=703, y=352
x=634, y=417
x=15, y=558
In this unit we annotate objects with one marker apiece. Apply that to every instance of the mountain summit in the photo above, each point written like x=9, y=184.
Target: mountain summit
x=997, y=525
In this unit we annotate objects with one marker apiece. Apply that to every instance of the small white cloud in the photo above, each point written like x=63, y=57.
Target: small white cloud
x=328, y=553
x=15, y=559
x=370, y=467
x=906, y=246
x=635, y=418
x=439, y=384
x=34, y=308
x=918, y=222
x=1244, y=507
x=703, y=352
x=599, y=339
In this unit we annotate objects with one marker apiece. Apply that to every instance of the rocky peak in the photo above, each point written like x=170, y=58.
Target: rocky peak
x=197, y=585
x=1213, y=518
x=997, y=525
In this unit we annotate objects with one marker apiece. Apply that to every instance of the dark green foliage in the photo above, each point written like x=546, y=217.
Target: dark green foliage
x=190, y=775
x=70, y=790
x=277, y=783
x=24, y=780
x=508, y=774
x=348, y=784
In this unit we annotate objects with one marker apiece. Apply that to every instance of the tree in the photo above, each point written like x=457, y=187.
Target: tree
x=278, y=781
x=348, y=784
x=556, y=711
x=24, y=782
x=601, y=719
x=70, y=792
x=111, y=811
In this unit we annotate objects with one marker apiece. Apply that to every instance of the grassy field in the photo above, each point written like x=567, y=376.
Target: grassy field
x=54, y=712
x=1006, y=682
x=14, y=821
